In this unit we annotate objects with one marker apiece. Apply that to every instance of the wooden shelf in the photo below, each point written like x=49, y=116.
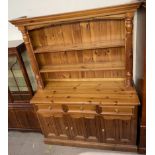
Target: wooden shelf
x=61, y=48
x=84, y=67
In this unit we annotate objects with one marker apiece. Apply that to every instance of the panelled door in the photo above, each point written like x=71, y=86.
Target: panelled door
x=75, y=126
x=118, y=129
x=109, y=129
x=52, y=124
x=83, y=122
x=127, y=128
x=82, y=127
x=92, y=128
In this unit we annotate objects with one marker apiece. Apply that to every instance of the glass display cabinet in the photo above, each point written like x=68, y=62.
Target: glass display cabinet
x=20, y=89
x=21, y=85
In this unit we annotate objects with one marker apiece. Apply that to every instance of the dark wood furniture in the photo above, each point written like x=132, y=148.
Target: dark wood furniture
x=21, y=115
x=141, y=75
x=83, y=66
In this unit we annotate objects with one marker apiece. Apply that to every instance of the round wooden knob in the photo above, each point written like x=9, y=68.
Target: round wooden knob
x=102, y=130
x=65, y=108
x=98, y=109
x=66, y=128
x=71, y=128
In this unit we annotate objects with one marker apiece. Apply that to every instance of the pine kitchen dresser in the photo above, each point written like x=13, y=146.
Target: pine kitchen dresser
x=83, y=65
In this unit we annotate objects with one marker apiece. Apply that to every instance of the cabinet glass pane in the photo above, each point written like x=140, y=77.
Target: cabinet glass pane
x=15, y=76
x=29, y=70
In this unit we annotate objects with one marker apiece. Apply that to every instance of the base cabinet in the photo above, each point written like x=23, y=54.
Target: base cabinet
x=91, y=128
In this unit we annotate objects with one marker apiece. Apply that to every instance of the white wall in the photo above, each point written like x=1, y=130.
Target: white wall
x=18, y=8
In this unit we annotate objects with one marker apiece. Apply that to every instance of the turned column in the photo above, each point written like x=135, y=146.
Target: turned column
x=32, y=57
x=129, y=49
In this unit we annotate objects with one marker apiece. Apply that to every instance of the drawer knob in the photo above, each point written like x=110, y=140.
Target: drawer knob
x=98, y=109
x=65, y=108
x=116, y=110
x=66, y=128
x=103, y=130
x=71, y=128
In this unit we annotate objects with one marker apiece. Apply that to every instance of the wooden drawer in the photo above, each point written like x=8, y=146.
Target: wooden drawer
x=75, y=107
x=117, y=110
x=42, y=106
x=51, y=107
x=81, y=108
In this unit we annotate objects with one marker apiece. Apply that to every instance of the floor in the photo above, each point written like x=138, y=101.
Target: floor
x=21, y=143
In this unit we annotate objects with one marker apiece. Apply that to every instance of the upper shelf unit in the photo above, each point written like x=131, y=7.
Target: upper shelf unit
x=84, y=37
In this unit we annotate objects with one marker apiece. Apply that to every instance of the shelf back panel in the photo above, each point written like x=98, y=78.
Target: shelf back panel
x=78, y=33
x=83, y=56
x=84, y=74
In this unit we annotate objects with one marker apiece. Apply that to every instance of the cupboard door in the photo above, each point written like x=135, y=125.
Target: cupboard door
x=127, y=130
x=46, y=124
x=118, y=129
x=75, y=125
x=82, y=127
x=91, y=128
x=62, y=130
x=109, y=129
x=53, y=125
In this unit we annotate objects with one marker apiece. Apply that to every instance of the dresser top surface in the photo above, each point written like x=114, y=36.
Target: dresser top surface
x=86, y=92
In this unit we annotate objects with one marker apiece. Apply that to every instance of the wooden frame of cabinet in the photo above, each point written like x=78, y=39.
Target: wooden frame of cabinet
x=141, y=76
x=21, y=115
x=83, y=64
